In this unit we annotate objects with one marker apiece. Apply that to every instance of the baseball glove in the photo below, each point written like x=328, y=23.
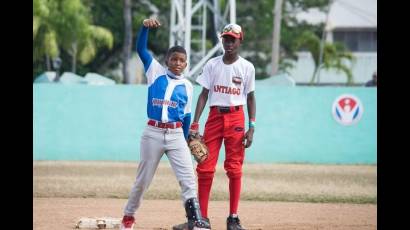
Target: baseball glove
x=198, y=147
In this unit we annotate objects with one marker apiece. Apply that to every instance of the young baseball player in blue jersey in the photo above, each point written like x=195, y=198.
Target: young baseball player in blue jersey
x=169, y=113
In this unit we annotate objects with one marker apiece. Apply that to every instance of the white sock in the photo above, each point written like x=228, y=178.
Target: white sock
x=234, y=215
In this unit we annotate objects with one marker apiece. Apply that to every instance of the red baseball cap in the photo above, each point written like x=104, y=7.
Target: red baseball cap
x=233, y=30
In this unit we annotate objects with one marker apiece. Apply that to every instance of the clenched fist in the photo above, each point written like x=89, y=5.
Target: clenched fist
x=151, y=23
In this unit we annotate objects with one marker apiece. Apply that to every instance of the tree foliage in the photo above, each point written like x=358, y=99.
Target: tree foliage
x=256, y=18
x=109, y=14
x=335, y=56
x=91, y=32
x=65, y=25
x=44, y=30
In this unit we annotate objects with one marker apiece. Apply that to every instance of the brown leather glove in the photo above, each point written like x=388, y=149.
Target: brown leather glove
x=198, y=148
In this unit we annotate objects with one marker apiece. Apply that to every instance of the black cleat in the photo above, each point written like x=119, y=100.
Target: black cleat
x=233, y=223
x=194, y=216
x=203, y=224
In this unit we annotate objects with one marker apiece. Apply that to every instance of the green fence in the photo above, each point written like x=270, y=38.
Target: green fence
x=293, y=124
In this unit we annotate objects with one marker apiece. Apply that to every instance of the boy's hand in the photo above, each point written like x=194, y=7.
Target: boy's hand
x=151, y=23
x=248, y=138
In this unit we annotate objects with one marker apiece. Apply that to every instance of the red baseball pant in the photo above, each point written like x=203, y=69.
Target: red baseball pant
x=227, y=127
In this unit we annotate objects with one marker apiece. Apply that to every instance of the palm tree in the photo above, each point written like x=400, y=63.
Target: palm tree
x=334, y=56
x=66, y=24
x=78, y=36
x=85, y=47
x=44, y=34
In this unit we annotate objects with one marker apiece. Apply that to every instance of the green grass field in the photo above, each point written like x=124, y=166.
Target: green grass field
x=262, y=182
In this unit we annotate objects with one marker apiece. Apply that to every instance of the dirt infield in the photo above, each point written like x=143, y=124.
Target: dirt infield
x=261, y=182
x=62, y=214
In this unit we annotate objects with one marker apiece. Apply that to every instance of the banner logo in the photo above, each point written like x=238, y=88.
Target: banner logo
x=347, y=109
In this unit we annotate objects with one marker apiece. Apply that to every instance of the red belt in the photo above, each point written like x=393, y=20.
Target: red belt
x=170, y=125
x=227, y=109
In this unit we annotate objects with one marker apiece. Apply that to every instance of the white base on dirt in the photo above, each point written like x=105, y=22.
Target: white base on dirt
x=98, y=223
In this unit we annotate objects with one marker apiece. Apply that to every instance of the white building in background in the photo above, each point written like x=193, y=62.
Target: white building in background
x=352, y=23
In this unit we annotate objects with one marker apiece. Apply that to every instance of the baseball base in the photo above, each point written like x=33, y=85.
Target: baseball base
x=98, y=223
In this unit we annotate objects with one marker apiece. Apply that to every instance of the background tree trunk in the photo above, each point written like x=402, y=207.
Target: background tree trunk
x=48, y=63
x=276, y=36
x=74, y=57
x=127, y=41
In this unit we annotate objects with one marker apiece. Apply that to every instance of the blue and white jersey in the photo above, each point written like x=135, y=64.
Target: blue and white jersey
x=169, y=96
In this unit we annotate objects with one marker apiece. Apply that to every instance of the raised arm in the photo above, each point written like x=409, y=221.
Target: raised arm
x=142, y=41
